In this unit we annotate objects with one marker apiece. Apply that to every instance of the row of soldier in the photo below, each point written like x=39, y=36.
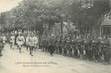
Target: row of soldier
x=90, y=50
x=83, y=49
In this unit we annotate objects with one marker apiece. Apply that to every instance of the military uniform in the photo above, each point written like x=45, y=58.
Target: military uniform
x=51, y=49
x=60, y=48
x=12, y=41
x=76, y=50
x=1, y=47
x=20, y=42
x=27, y=42
x=31, y=44
x=35, y=40
x=107, y=53
x=4, y=39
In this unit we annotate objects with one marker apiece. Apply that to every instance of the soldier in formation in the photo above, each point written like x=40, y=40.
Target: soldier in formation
x=89, y=49
x=1, y=46
x=95, y=50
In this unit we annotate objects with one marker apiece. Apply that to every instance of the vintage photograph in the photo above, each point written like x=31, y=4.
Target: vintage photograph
x=55, y=36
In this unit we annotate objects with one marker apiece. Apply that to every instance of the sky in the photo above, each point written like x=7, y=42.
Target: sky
x=6, y=5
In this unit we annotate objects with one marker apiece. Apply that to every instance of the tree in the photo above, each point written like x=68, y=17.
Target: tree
x=87, y=19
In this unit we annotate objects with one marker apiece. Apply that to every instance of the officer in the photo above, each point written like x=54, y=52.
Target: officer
x=20, y=41
x=31, y=44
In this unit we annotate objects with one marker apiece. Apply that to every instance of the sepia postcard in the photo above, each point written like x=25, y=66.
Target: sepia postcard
x=55, y=36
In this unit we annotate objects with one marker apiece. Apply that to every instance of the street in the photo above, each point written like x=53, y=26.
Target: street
x=14, y=62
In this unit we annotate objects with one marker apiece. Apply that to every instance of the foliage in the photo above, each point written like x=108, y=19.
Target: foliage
x=34, y=14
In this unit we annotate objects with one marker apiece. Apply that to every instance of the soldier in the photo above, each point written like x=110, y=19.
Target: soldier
x=35, y=40
x=64, y=49
x=85, y=48
x=20, y=41
x=89, y=51
x=76, y=50
x=56, y=47
x=100, y=53
x=99, y=50
x=95, y=51
x=4, y=38
x=27, y=41
x=80, y=48
x=107, y=53
x=73, y=49
x=82, y=51
x=51, y=49
x=60, y=46
x=1, y=47
x=12, y=41
x=31, y=43
x=43, y=45
x=70, y=50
